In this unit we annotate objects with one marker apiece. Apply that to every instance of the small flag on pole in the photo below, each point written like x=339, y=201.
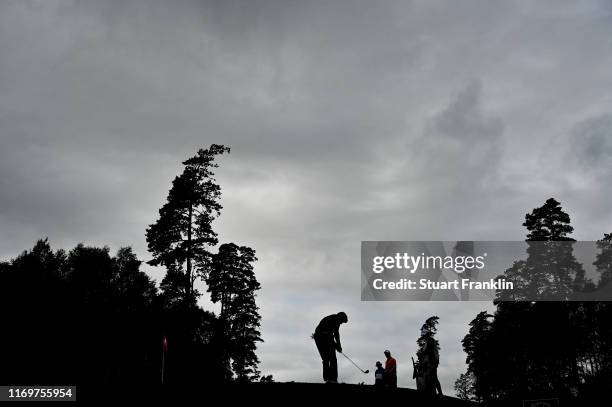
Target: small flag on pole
x=163, y=361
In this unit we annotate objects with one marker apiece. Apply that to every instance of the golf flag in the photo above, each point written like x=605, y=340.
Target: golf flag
x=163, y=361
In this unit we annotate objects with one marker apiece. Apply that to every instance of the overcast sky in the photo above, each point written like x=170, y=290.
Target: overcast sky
x=348, y=121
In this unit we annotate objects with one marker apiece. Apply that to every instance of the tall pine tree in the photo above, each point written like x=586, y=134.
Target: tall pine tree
x=550, y=272
x=181, y=236
x=232, y=283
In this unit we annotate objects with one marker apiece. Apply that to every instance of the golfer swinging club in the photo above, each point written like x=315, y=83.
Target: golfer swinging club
x=327, y=339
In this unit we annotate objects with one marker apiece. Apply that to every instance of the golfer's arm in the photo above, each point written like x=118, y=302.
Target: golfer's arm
x=337, y=337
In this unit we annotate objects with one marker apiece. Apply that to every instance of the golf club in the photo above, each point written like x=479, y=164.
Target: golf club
x=363, y=371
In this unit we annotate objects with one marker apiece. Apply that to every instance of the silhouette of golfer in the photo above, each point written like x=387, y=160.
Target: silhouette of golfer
x=327, y=339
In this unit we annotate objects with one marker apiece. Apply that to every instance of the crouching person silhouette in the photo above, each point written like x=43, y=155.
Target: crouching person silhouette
x=327, y=339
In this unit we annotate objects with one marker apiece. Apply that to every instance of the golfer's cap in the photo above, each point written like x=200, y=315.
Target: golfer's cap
x=378, y=363
x=387, y=351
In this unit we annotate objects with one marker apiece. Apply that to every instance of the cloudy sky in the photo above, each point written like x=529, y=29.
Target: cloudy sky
x=348, y=121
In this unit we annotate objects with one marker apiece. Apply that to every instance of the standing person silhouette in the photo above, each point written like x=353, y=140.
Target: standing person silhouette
x=429, y=358
x=379, y=375
x=327, y=339
x=390, y=371
x=432, y=361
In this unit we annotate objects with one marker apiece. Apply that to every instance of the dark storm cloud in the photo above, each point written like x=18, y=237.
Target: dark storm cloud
x=348, y=121
x=588, y=151
x=592, y=144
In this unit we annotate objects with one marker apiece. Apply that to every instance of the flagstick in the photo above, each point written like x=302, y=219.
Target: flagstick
x=164, y=350
x=163, y=363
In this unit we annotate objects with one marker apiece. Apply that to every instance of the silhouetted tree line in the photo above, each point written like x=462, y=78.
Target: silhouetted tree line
x=81, y=316
x=543, y=349
x=87, y=317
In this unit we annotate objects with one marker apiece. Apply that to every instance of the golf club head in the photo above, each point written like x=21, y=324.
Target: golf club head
x=366, y=372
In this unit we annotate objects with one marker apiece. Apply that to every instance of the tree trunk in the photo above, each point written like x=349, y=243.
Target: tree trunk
x=189, y=287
